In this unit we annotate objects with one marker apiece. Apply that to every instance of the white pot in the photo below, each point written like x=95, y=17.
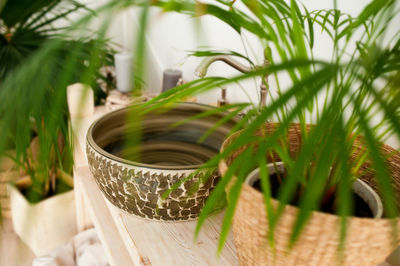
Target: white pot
x=45, y=225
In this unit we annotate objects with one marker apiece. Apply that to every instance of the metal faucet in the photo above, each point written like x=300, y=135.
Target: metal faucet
x=202, y=68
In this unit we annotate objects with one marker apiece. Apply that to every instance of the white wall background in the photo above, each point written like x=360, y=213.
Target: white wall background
x=171, y=36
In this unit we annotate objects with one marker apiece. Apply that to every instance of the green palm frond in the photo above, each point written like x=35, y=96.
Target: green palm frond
x=45, y=58
x=361, y=80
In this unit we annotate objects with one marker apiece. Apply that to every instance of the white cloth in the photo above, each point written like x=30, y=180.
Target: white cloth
x=83, y=250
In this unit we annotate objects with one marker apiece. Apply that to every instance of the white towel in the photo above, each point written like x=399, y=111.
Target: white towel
x=83, y=250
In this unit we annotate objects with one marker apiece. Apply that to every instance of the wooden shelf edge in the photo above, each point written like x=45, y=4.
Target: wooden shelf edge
x=109, y=235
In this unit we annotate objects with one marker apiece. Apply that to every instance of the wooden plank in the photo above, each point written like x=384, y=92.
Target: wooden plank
x=79, y=127
x=116, y=252
x=79, y=155
x=172, y=243
x=83, y=220
x=129, y=241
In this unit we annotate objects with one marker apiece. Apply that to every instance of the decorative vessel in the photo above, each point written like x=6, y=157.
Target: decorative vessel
x=135, y=178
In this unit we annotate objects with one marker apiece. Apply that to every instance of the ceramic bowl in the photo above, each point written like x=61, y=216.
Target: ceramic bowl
x=134, y=177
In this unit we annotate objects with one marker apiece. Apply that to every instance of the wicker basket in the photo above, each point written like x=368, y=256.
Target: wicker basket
x=368, y=241
x=7, y=174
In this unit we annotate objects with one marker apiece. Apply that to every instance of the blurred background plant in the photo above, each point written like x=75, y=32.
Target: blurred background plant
x=35, y=112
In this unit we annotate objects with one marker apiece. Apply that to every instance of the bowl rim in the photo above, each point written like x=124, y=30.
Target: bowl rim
x=90, y=141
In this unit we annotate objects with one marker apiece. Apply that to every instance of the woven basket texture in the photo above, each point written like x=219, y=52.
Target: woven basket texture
x=5, y=177
x=368, y=241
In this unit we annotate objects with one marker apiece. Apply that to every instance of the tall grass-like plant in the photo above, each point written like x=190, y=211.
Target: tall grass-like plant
x=34, y=102
x=343, y=95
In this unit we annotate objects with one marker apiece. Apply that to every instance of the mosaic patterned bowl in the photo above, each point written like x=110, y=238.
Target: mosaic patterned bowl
x=134, y=179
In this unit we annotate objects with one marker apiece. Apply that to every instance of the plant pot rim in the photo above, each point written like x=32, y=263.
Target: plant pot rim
x=319, y=213
x=12, y=186
x=178, y=105
x=223, y=167
x=378, y=212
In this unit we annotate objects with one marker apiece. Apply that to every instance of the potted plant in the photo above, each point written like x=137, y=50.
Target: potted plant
x=333, y=101
x=272, y=240
x=41, y=196
x=41, y=199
